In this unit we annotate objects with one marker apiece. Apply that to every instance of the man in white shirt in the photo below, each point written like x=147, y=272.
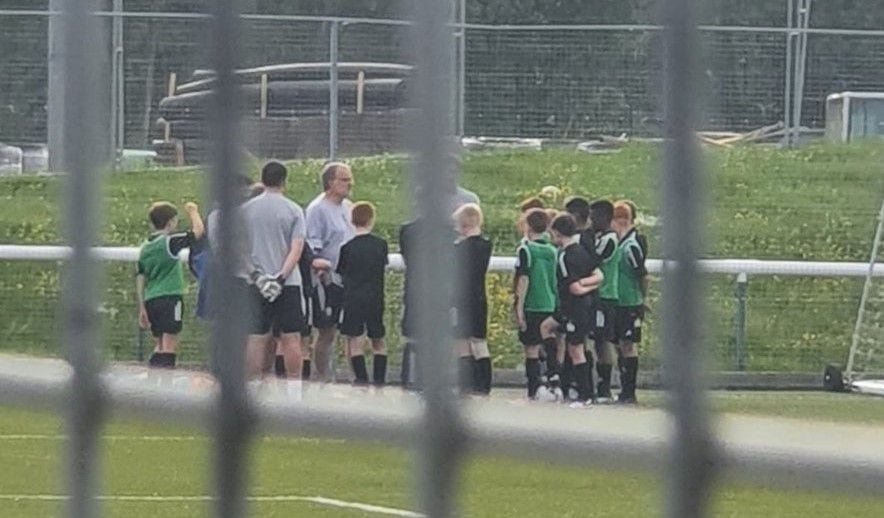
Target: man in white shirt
x=328, y=228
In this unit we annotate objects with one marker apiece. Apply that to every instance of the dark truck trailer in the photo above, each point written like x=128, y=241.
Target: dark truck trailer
x=286, y=112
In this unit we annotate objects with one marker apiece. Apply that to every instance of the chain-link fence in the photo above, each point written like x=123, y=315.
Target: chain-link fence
x=559, y=82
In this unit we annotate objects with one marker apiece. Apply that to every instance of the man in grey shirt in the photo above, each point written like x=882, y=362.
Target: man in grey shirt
x=276, y=229
x=328, y=228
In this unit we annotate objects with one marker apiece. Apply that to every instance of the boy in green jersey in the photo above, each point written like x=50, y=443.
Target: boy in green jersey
x=606, y=251
x=160, y=278
x=535, y=293
x=631, y=289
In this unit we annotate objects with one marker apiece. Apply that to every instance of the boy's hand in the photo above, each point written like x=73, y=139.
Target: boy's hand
x=321, y=265
x=191, y=207
x=143, y=321
x=520, y=320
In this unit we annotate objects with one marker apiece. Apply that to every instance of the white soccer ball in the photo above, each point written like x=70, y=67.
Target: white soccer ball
x=550, y=191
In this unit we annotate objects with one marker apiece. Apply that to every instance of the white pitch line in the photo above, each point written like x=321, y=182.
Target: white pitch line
x=319, y=500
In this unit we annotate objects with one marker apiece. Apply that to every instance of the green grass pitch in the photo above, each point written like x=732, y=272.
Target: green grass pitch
x=161, y=469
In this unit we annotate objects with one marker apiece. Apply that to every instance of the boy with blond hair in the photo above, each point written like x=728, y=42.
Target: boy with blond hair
x=159, y=282
x=632, y=290
x=361, y=265
x=472, y=253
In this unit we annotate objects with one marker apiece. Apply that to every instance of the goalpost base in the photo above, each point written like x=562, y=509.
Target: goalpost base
x=833, y=380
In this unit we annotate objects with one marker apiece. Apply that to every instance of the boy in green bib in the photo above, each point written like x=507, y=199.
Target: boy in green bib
x=160, y=278
x=535, y=294
x=631, y=289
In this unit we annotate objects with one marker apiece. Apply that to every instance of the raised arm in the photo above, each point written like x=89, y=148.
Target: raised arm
x=196, y=221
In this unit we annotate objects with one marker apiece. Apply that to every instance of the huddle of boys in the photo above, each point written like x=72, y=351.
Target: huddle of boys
x=580, y=276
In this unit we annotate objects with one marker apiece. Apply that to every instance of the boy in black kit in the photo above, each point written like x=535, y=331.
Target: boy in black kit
x=578, y=208
x=362, y=263
x=577, y=278
x=473, y=253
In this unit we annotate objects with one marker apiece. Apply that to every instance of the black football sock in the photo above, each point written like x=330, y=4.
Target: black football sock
x=553, y=369
x=165, y=360
x=604, y=371
x=405, y=373
x=305, y=369
x=482, y=376
x=359, y=370
x=154, y=360
x=466, y=368
x=279, y=366
x=567, y=373
x=589, y=364
x=584, y=384
x=379, y=368
x=532, y=371
x=631, y=368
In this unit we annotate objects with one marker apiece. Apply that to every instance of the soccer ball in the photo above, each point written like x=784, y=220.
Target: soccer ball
x=550, y=191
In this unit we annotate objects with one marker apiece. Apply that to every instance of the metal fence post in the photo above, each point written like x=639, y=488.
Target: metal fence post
x=233, y=417
x=333, y=37
x=741, y=293
x=84, y=146
x=118, y=106
x=787, y=95
x=55, y=86
x=461, y=69
x=803, y=23
x=690, y=464
x=440, y=435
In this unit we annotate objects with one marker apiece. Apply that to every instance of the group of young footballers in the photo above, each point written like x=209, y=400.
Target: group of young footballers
x=580, y=278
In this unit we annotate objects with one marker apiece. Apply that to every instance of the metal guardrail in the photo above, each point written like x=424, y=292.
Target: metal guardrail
x=506, y=264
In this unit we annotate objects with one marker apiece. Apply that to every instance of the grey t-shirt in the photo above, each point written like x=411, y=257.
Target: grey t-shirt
x=241, y=252
x=328, y=228
x=272, y=222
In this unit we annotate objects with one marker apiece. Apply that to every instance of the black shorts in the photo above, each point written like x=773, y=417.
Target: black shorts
x=326, y=305
x=531, y=334
x=603, y=321
x=407, y=327
x=471, y=321
x=164, y=314
x=628, y=322
x=284, y=315
x=577, y=326
x=361, y=317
